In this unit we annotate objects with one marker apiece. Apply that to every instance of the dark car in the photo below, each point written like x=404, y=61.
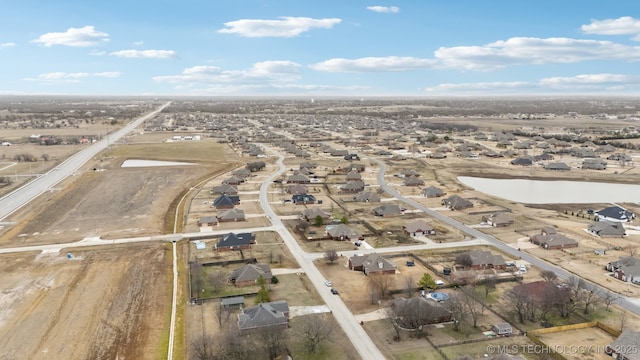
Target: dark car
x=334, y=291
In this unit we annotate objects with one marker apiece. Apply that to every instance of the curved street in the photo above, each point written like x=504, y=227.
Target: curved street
x=625, y=302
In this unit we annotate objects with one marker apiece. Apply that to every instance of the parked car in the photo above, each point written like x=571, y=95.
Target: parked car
x=327, y=282
x=439, y=282
x=334, y=291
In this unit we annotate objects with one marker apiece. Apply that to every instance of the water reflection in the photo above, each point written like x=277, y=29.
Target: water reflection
x=554, y=192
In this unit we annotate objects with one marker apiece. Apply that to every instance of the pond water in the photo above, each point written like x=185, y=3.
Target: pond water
x=554, y=192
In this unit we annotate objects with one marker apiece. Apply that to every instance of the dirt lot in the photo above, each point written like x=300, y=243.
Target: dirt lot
x=113, y=202
x=579, y=344
x=105, y=303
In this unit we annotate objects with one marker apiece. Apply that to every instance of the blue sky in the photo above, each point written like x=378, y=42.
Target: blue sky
x=314, y=48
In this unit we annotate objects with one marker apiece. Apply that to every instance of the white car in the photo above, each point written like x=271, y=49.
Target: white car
x=327, y=282
x=439, y=282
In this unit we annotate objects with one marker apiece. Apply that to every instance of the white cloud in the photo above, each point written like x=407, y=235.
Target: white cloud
x=284, y=27
x=146, y=54
x=384, y=9
x=97, y=53
x=625, y=25
x=78, y=37
x=73, y=77
x=373, y=64
x=266, y=72
x=526, y=50
x=575, y=84
x=7, y=45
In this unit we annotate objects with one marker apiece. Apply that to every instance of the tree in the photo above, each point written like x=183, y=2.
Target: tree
x=458, y=310
x=548, y=275
x=216, y=280
x=344, y=220
x=409, y=285
x=470, y=301
x=427, y=282
x=590, y=296
x=378, y=285
x=489, y=285
x=464, y=260
x=331, y=256
x=303, y=225
x=203, y=348
x=273, y=341
x=263, y=293
x=318, y=221
x=314, y=329
x=518, y=300
x=609, y=298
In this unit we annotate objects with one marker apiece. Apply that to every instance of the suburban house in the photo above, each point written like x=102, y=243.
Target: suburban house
x=522, y=161
x=269, y=315
x=303, y=199
x=353, y=166
x=233, y=241
x=498, y=219
x=606, y=229
x=549, y=239
x=354, y=186
x=409, y=173
x=594, y=164
x=413, y=181
x=230, y=215
x=615, y=214
x=432, y=192
x=248, y=274
x=625, y=346
x=455, y=202
x=208, y=221
x=372, y=264
x=484, y=259
x=339, y=152
x=557, y=166
x=311, y=214
x=243, y=173
x=387, y=210
x=431, y=312
x=224, y=189
x=225, y=201
x=626, y=269
x=353, y=175
x=341, y=232
x=308, y=165
x=367, y=196
x=256, y=166
x=297, y=189
x=298, y=179
x=418, y=228
x=233, y=180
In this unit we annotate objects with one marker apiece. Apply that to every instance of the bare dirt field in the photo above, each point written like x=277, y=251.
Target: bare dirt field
x=579, y=344
x=105, y=303
x=113, y=202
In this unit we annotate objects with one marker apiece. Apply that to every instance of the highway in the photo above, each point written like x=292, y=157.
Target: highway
x=627, y=303
x=13, y=201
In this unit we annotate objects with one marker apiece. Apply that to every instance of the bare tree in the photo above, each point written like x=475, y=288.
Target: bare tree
x=216, y=280
x=203, y=348
x=609, y=298
x=314, y=329
x=623, y=319
x=464, y=260
x=303, y=225
x=470, y=301
x=381, y=282
x=331, y=256
x=458, y=310
x=409, y=285
x=273, y=341
x=590, y=296
x=518, y=300
x=222, y=314
x=548, y=275
x=489, y=285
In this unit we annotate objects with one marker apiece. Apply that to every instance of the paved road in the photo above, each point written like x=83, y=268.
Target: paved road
x=20, y=197
x=630, y=304
x=350, y=325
